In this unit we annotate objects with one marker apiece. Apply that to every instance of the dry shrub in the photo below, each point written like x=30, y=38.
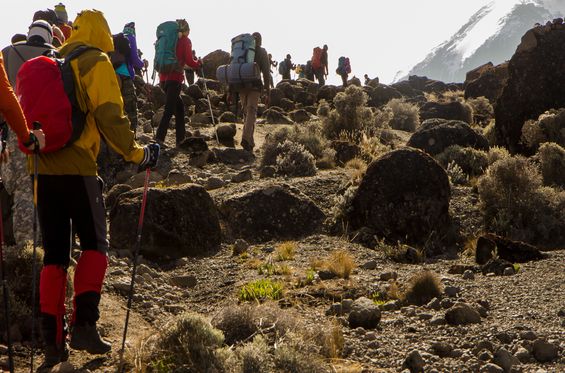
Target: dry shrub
x=350, y=116
x=515, y=203
x=472, y=161
x=372, y=148
x=255, y=357
x=456, y=174
x=489, y=133
x=483, y=112
x=286, y=250
x=358, y=167
x=188, y=343
x=382, y=117
x=323, y=109
x=401, y=253
x=551, y=157
x=294, y=160
x=496, y=153
x=405, y=115
x=550, y=127
x=270, y=147
x=422, y=288
x=343, y=206
x=237, y=323
x=341, y=263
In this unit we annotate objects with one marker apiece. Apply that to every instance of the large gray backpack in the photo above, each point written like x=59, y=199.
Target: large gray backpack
x=242, y=70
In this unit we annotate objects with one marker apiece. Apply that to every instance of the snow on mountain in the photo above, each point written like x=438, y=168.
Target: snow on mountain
x=491, y=34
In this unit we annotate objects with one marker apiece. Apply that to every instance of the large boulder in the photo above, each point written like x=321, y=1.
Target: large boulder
x=327, y=92
x=534, y=75
x=491, y=245
x=404, y=196
x=212, y=61
x=276, y=117
x=270, y=212
x=435, y=135
x=275, y=97
x=406, y=89
x=489, y=82
x=477, y=72
x=381, y=95
x=364, y=313
x=453, y=110
x=179, y=222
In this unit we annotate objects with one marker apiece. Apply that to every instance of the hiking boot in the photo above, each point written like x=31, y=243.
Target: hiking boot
x=86, y=338
x=54, y=355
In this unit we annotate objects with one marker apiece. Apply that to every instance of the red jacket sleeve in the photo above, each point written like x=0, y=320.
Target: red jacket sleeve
x=187, y=58
x=10, y=107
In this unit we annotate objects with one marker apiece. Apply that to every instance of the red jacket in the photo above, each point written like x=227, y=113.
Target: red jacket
x=184, y=57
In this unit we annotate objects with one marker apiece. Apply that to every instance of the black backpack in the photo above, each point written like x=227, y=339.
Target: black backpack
x=122, y=50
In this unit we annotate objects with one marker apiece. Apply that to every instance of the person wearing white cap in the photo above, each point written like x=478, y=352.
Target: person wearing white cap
x=14, y=173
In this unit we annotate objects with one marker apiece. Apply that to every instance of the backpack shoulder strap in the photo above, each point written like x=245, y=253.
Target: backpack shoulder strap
x=18, y=53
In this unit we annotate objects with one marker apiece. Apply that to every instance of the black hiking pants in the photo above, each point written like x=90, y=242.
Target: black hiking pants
x=174, y=105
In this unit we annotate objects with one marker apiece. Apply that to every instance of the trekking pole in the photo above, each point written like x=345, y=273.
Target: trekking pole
x=209, y=104
x=6, y=299
x=134, y=269
x=36, y=126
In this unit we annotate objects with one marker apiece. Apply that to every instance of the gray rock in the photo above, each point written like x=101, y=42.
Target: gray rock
x=462, y=314
x=364, y=313
x=242, y=176
x=523, y=355
x=268, y=172
x=452, y=291
x=300, y=116
x=240, y=246
x=425, y=316
x=468, y=275
x=414, y=362
x=347, y=304
x=442, y=349
x=438, y=320
x=446, y=303
x=390, y=306
x=484, y=345
x=491, y=368
x=186, y=281
x=385, y=276
x=434, y=304
x=335, y=309
x=528, y=335
x=508, y=271
x=544, y=351
x=226, y=132
x=505, y=337
x=371, y=264
x=214, y=183
x=482, y=311
x=505, y=359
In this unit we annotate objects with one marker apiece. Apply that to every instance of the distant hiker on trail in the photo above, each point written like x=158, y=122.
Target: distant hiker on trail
x=273, y=64
x=286, y=66
x=125, y=60
x=308, y=71
x=14, y=174
x=62, y=20
x=301, y=71
x=367, y=79
x=250, y=95
x=70, y=193
x=343, y=69
x=188, y=72
x=171, y=83
x=320, y=64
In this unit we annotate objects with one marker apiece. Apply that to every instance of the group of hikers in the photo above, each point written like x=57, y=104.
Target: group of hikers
x=65, y=87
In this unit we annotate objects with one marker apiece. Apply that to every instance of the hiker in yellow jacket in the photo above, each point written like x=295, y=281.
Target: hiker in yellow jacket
x=69, y=190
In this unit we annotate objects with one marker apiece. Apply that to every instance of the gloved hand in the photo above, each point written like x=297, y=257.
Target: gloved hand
x=36, y=140
x=150, y=157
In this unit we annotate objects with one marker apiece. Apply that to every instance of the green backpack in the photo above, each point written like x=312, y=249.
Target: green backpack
x=166, y=48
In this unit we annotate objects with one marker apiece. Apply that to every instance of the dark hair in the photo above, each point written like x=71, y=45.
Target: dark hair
x=18, y=37
x=48, y=15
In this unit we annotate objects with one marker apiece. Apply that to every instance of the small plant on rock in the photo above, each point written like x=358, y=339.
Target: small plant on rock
x=422, y=288
x=405, y=115
x=295, y=160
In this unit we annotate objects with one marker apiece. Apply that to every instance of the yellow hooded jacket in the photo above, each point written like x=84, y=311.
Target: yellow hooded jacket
x=99, y=95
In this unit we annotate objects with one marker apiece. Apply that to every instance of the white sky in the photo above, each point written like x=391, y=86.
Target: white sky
x=381, y=37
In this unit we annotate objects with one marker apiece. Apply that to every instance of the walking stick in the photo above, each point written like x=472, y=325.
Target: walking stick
x=209, y=104
x=134, y=270
x=36, y=126
x=6, y=299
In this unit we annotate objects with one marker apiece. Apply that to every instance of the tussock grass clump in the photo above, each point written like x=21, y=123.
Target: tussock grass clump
x=483, y=112
x=401, y=253
x=422, y=288
x=341, y=263
x=261, y=290
x=358, y=168
x=405, y=115
x=286, y=250
x=496, y=153
x=255, y=357
x=517, y=205
x=550, y=127
x=188, y=343
x=456, y=174
x=472, y=161
x=237, y=323
x=489, y=133
x=350, y=116
x=295, y=160
x=551, y=157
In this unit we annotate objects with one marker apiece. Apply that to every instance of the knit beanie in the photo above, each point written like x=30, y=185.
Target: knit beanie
x=42, y=29
x=61, y=12
x=58, y=34
x=48, y=15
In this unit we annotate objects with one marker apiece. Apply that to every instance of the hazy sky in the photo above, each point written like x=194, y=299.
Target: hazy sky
x=381, y=37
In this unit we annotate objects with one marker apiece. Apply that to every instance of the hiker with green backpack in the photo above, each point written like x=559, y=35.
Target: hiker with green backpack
x=173, y=51
x=286, y=66
x=343, y=69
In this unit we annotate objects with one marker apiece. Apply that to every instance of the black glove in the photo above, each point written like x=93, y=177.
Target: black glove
x=150, y=157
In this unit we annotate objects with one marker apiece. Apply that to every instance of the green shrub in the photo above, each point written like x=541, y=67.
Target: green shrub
x=422, y=288
x=552, y=163
x=350, y=116
x=483, y=111
x=261, y=290
x=550, y=127
x=515, y=203
x=405, y=116
x=472, y=161
x=188, y=343
x=295, y=160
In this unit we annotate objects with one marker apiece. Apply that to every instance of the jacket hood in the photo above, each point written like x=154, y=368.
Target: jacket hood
x=90, y=28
